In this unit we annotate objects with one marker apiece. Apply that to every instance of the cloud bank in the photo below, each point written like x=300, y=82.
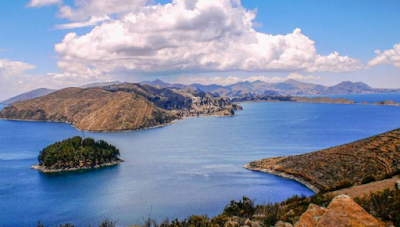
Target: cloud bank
x=188, y=36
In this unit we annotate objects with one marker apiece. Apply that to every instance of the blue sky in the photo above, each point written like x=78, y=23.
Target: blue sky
x=353, y=28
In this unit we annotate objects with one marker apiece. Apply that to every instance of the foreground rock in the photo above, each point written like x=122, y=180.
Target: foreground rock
x=360, y=162
x=341, y=212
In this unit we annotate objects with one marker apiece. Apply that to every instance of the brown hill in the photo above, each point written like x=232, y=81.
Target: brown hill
x=91, y=109
x=366, y=160
x=118, y=107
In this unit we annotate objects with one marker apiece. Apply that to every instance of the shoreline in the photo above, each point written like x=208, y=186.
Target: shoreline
x=43, y=169
x=356, y=103
x=121, y=131
x=313, y=188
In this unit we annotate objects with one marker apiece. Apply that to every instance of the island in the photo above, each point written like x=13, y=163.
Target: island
x=77, y=153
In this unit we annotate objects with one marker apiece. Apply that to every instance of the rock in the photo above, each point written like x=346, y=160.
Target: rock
x=397, y=184
x=311, y=216
x=256, y=224
x=283, y=224
x=343, y=211
x=231, y=224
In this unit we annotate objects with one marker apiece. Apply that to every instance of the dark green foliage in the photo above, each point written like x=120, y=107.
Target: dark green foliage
x=39, y=224
x=270, y=213
x=74, y=152
x=244, y=208
x=368, y=179
x=341, y=184
x=384, y=205
x=107, y=223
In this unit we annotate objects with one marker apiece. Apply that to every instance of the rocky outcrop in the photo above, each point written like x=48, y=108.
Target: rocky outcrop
x=312, y=216
x=375, y=158
x=387, y=103
x=341, y=212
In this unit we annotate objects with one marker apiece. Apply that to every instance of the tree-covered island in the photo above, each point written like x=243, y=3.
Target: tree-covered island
x=77, y=153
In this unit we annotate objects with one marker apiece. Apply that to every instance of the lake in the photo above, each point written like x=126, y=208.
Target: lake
x=191, y=167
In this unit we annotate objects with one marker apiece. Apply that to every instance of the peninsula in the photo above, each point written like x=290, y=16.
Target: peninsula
x=119, y=107
x=77, y=153
x=371, y=159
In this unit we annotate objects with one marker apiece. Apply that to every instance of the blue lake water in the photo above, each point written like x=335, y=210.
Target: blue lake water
x=191, y=167
x=370, y=98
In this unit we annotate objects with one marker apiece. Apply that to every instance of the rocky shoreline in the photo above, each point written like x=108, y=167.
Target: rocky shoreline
x=284, y=175
x=44, y=169
x=371, y=159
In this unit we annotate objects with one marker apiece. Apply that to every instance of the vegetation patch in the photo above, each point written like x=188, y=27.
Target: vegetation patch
x=77, y=153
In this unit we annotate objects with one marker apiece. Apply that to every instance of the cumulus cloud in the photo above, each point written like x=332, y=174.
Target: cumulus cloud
x=236, y=79
x=391, y=56
x=189, y=35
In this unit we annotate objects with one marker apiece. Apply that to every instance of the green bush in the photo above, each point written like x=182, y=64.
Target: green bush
x=384, y=205
x=243, y=208
x=368, y=179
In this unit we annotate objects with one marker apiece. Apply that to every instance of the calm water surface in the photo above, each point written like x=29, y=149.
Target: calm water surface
x=191, y=167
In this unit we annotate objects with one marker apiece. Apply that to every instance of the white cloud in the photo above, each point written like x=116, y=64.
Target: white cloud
x=12, y=77
x=9, y=69
x=235, y=79
x=85, y=9
x=297, y=76
x=391, y=56
x=41, y=3
x=86, y=13
x=182, y=36
x=93, y=21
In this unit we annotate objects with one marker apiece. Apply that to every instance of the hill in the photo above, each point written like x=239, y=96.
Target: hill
x=27, y=96
x=118, y=107
x=363, y=161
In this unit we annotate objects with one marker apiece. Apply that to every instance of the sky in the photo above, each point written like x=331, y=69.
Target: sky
x=62, y=43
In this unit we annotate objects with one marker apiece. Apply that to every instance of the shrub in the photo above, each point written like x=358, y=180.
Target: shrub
x=243, y=208
x=343, y=184
x=368, y=180
x=384, y=205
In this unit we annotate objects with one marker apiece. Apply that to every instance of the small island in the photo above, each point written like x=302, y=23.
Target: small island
x=77, y=153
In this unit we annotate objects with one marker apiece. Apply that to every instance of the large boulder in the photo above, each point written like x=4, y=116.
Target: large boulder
x=311, y=216
x=341, y=212
x=283, y=224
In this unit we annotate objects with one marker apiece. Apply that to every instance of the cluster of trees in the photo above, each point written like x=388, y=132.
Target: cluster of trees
x=75, y=152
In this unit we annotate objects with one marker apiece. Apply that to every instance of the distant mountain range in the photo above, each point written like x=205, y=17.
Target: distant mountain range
x=289, y=87
x=28, y=95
